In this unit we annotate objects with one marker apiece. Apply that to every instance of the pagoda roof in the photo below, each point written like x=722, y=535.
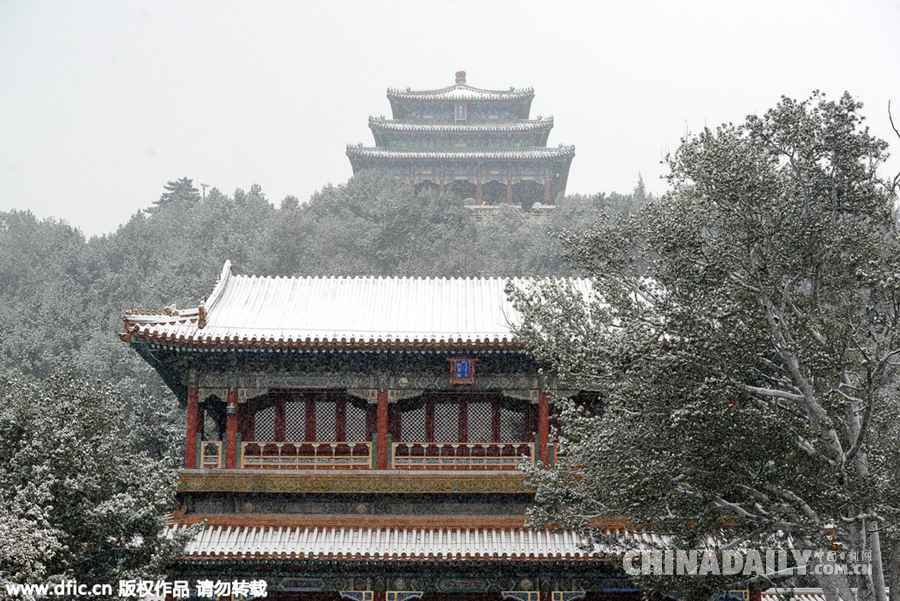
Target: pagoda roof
x=460, y=91
x=408, y=544
x=559, y=152
x=253, y=312
x=539, y=124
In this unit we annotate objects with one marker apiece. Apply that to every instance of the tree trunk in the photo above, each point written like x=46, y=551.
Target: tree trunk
x=895, y=572
x=877, y=566
x=873, y=538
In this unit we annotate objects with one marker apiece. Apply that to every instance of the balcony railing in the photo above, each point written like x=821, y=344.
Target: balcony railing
x=461, y=455
x=211, y=454
x=306, y=455
x=327, y=455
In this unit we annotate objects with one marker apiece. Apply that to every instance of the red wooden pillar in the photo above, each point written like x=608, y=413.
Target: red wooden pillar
x=429, y=420
x=340, y=420
x=547, y=190
x=463, y=420
x=279, y=420
x=478, y=196
x=381, y=424
x=310, y=419
x=543, y=426
x=231, y=428
x=756, y=594
x=495, y=420
x=509, y=191
x=193, y=422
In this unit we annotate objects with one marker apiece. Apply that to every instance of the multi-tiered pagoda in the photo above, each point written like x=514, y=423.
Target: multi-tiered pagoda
x=478, y=144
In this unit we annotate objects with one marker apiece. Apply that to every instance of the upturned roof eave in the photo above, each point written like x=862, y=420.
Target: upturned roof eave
x=537, y=153
x=462, y=92
x=311, y=314
x=380, y=124
x=217, y=344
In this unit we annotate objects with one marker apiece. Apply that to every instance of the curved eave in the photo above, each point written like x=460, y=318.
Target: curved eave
x=338, y=559
x=532, y=133
x=456, y=544
x=539, y=154
x=377, y=124
x=403, y=104
x=308, y=344
x=460, y=92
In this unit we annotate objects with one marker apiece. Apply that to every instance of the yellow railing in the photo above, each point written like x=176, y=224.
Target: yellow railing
x=306, y=455
x=461, y=455
x=211, y=454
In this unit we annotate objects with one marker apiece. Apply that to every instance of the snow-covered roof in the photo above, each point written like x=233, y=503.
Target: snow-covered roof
x=483, y=544
x=559, y=152
x=525, y=125
x=340, y=312
x=460, y=91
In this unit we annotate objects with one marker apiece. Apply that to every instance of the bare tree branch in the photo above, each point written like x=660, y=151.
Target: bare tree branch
x=897, y=132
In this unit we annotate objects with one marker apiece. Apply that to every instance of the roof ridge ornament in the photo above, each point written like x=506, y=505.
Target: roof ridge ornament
x=460, y=77
x=219, y=288
x=201, y=315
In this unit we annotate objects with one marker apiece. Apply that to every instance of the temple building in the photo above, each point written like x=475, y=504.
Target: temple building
x=479, y=144
x=358, y=438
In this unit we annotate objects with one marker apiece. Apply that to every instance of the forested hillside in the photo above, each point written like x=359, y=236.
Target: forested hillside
x=62, y=295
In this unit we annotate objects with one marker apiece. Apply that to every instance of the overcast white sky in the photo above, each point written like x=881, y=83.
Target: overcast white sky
x=102, y=102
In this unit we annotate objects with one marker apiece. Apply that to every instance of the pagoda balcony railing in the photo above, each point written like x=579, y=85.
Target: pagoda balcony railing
x=306, y=455
x=461, y=455
x=211, y=454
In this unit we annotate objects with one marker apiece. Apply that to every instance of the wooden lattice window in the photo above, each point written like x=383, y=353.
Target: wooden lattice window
x=318, y=417
x=480, y=421
x=443, y=418
x=326, y=420
x=356, y=428
x=446, y=421
x=513, y=423
x=295, y=420
x=264, y=424
x=412, y=422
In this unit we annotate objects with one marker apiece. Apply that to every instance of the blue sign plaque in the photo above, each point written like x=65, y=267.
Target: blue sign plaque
x=462, y=370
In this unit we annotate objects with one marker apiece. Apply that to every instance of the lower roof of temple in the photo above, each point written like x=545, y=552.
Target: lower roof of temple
x=407, y=544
